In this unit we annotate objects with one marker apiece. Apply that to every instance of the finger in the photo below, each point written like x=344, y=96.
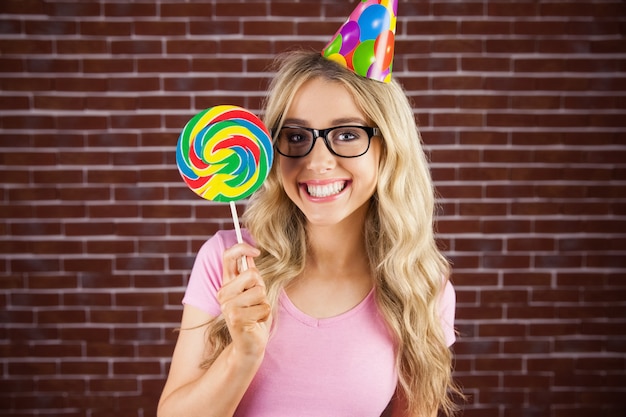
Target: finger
x=242, y=264
x=245, y=263
x=248, y=316
x=243, y=308
x=232, y=256
x=239, y=285
x=261, y=313
x=244, y=301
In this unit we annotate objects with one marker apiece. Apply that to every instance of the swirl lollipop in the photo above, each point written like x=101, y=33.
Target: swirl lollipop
x=224, y=154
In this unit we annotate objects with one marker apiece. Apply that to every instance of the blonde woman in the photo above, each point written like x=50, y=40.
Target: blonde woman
x=346, y=308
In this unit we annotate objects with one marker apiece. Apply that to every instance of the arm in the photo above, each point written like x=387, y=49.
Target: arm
x=217, y=391
x=190, y=390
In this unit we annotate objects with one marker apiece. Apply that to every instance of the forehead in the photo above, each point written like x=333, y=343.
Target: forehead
x=321, y=103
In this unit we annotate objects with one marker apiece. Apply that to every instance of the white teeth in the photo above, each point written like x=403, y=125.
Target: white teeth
x=325, y=190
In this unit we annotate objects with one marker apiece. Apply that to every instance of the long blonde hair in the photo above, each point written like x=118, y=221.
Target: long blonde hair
x=409, y=270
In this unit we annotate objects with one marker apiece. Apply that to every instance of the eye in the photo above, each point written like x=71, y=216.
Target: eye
x=347, y=134
x=294, y=135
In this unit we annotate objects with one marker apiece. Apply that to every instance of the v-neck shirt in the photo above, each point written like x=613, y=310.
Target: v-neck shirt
x=338, y=366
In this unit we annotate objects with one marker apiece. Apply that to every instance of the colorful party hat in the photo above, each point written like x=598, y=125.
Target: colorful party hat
x=365, y=42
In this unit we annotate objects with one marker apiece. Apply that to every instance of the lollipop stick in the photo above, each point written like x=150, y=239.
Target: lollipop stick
x=233, y=211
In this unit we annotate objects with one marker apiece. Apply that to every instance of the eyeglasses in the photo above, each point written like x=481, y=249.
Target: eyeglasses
x=343, y=141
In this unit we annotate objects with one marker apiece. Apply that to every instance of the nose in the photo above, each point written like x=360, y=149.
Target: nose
x=320, y=159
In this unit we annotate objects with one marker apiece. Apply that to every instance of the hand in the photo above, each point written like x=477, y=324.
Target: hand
x=244, y=304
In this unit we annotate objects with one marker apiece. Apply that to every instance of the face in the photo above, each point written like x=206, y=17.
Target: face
x=327, y=188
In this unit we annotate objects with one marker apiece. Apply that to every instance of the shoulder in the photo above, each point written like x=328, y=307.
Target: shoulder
x=447, y=306
x=448, y=294
x=224, y=239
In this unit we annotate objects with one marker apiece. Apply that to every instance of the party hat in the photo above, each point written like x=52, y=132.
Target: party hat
x=365, y=42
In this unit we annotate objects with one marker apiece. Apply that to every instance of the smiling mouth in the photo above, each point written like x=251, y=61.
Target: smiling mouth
x=326, y=190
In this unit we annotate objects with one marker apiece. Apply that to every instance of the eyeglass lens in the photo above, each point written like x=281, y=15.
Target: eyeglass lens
x=345, y=141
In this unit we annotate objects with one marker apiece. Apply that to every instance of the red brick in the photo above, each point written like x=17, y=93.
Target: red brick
x=26, y=84
x=50, y=27
x=117, y=211
x=163, y=280
x=87, y=265
x=126, y=84
x=136, y=47
x=13, y=103
x=512, y=45
x=485, y=27
x=85, y=368
x=24, y=229
x=139, y=264
x=196, y=228
x=164, y=102
x=80, y=84
x=107, y=65
x=25, y=46
x=82, y=46
x=499, y=364
x=58, y=103
x=30, y=122
x=34, y=299
x=531, y=244
x=135, y=121
x=47, y=65
x=106, y=28
x=457, y=83
x=64, y=385
x=36, y=264
x=277, y=28
x=57, y=140
x=526, y=346
x=32, y=368
x=48, y=247
x=113, y=384
x=46, y=211
x=536, y=313
x=158, y=28
x=53, y=282
x=62, y=316
x=91, y=228
x=241, y=9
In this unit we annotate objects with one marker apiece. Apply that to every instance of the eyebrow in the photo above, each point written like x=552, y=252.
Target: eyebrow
x=335, y=122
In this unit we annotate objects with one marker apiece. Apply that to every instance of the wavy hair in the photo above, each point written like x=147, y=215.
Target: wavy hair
x=409, y=270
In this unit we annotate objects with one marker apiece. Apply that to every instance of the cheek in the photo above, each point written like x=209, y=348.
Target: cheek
x=286, y=169
x=287, y=174
x=370, y=169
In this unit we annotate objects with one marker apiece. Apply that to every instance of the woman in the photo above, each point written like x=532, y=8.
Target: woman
x=345, y=309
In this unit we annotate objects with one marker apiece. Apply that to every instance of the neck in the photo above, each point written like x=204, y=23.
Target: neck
x=338, y=248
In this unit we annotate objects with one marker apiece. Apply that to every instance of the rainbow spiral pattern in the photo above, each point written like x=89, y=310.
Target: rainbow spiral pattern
x=224, y=153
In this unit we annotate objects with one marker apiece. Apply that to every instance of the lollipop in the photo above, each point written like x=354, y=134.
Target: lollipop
x=224, y=154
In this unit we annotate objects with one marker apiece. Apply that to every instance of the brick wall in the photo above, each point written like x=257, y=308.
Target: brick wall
x=523, y=110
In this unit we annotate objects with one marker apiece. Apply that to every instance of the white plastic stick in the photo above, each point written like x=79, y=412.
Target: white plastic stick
x=233, y=211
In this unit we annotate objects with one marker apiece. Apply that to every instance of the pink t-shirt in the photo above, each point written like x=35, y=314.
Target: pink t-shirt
x=338, y=366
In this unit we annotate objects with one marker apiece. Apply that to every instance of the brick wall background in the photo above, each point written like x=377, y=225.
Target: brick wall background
x=523, y=110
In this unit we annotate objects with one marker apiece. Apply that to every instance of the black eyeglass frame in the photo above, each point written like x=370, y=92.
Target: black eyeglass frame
x=323, y=133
